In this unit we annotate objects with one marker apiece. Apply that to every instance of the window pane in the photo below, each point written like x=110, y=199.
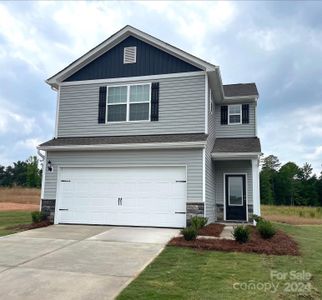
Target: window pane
x=139, y=93
x=117, y=94
x=116, y=113
x=139, y=112
x=235, y=190
x=234, y=109
x=234, y=119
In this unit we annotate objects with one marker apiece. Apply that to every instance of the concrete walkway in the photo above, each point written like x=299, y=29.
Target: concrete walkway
x=76, y=262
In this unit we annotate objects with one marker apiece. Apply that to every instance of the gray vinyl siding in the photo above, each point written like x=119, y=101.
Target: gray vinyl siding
x=190, y=157
x=181, y=110
x=236, y=167
x=210, y=168
x=242, y=130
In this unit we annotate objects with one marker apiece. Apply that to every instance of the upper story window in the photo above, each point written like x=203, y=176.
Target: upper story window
x=128, y=103
x=129, y=55
x=234, y=114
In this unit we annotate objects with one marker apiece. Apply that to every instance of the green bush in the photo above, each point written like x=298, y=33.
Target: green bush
x=312, y=214
x=266, y=229
x=257, y=218
x=38, y=216
x=301, y=214
x=198, y=222
x=189, y=233
x=241, y=233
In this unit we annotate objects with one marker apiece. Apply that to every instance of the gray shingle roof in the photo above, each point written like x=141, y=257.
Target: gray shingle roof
x=231, y=145
x=134, y=139
x=240, y=89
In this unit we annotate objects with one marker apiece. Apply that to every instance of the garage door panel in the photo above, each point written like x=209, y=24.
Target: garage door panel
x=150, y=196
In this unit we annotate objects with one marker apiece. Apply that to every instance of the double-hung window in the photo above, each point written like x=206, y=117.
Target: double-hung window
x=128, y=103
x=234, y=114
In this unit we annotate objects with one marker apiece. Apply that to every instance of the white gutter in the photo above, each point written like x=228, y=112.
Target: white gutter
x=199, y=144
x=235, y=155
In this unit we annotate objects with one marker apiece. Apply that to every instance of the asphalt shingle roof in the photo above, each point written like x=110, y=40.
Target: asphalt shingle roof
x=240, y=89
x=105, y=140
x=230, y=145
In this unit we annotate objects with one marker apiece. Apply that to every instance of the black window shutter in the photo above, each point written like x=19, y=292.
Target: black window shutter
x=224, y=115
x=155, y=101
x=245, y=113
x=102, y=104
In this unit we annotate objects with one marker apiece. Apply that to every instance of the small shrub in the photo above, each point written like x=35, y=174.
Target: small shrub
x=38, y=216
x=257, y=218
x=301, y=214
x=198, y=222
x=266, y=229
x=241, y=234
x=189, y=233
x=312, y=214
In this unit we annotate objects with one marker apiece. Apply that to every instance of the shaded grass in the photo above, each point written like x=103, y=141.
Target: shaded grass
x=12, y=219
x=296, y=215
x=181, y=273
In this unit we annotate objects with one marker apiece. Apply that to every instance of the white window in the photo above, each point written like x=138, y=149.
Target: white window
x=129, y=55
x=234, y=114
x=128, y=103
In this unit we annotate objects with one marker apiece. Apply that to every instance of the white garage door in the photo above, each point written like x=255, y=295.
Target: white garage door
x=138, y=196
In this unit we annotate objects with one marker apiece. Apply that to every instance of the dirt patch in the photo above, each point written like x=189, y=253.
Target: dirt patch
x=24, y=227
x=211, y=230
x=279, y=244
x=20, y=195
x=293, y=220
x=6, y=206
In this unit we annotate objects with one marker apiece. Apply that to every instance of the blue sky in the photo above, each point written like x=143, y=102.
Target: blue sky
x=278, y=45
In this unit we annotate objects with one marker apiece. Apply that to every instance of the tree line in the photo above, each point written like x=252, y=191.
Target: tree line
x=21, y=173
x=289, y=184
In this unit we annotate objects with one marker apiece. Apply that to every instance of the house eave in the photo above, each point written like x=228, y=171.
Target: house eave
x=235, y=155
x=133, y=146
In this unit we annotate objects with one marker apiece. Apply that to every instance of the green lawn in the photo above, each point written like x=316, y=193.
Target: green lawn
x=180, y=273
x=13, y=218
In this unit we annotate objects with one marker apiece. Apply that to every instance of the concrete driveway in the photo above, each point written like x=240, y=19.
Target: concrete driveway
x=76, y=261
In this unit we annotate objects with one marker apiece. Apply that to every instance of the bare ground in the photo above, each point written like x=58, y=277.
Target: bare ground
x=18, y=198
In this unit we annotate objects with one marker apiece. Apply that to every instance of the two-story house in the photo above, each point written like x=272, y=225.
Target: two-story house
x=147, y=135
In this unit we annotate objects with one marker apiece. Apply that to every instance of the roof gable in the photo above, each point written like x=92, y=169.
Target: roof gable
x=150, y=60
x=115, y=39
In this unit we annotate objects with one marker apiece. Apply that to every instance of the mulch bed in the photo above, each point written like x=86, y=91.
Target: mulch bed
x=279, y=244
x=23, y=227
x=211, y=230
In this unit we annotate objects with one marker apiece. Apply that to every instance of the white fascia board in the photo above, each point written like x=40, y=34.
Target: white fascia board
x=125, y=146
x=235, y=155
x=249, y=97
x=135, y=78
x=117, y=38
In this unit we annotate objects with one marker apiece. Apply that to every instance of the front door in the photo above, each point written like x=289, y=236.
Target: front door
x=235, y=190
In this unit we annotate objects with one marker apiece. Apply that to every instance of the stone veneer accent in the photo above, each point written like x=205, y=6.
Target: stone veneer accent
x=194, y=209
x=48, y=207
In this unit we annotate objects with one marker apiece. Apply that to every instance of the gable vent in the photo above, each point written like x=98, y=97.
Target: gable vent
x=129, y=56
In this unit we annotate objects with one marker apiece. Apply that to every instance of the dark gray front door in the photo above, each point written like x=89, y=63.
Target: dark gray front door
x=235, y=186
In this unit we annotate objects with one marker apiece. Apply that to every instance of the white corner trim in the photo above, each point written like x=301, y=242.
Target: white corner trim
x=256, y=194
x=206, y=103
x=134, y=78
x=200, y=144
x=117, y=38
x=57, y=112
x=204, y=176
x=43, y=179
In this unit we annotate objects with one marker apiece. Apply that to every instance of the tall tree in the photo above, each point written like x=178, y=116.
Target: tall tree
x=33, y=178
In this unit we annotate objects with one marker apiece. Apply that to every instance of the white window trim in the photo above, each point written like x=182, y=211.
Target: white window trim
x=235, y=114
x=127, y=103
x=242, y=189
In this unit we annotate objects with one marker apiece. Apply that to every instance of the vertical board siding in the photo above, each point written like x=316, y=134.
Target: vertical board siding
x=181, y=110
x=210, y=169
x=241, y=130
x=232, y=166
x=190, y=157
x=149, y=61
